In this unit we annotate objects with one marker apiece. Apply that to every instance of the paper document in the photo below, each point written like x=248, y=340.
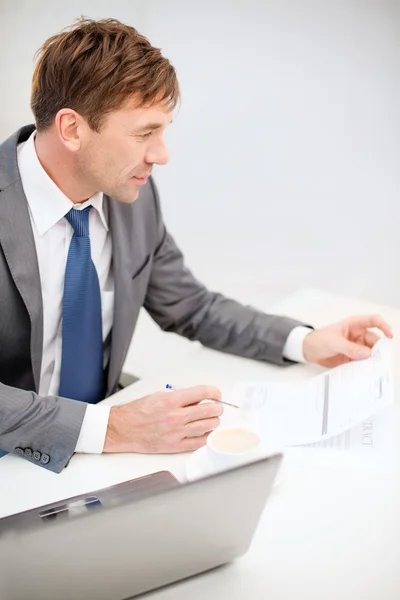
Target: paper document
x=372, y=443
x=321, y=410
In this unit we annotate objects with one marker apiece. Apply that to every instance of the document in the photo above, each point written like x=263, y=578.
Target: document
x=375, y=442
x=335, y=409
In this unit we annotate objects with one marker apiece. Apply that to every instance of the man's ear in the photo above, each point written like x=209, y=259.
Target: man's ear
x=69, y=126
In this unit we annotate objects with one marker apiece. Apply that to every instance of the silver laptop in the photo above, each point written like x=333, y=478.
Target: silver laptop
x=116, y=543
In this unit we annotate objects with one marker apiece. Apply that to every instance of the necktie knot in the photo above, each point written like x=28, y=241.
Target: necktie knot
x=79, y=221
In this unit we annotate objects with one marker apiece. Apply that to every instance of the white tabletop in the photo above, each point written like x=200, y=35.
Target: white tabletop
x=327, y=532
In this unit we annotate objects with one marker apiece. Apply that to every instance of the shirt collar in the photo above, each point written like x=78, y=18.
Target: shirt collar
x=47, y=203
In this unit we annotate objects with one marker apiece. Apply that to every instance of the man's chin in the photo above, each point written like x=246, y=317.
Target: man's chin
x=127, y=197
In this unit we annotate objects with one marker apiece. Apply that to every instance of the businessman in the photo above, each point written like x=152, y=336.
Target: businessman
x=83, y=246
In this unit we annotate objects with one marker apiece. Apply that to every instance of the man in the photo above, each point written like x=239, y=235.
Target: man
x=83, y=247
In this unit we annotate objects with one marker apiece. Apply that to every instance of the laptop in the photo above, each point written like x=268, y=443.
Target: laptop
x=130, y=538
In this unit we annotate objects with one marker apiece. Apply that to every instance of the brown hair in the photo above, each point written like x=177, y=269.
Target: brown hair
x=94, y=67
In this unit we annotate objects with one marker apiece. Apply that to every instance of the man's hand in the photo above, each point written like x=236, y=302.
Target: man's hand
x=164, y=422
x=342, y=342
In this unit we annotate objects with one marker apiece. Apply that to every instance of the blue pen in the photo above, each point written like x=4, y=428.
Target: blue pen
x=168, y=386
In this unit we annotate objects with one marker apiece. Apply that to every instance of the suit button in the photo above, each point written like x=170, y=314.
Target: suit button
x=19, y=451
x=28, y=452
x=37, y=455
x=45, y=459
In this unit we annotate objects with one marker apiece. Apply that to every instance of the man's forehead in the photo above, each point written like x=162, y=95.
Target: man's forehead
x=156, y=115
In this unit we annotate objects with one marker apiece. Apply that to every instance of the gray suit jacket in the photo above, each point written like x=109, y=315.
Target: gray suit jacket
x=148, y=270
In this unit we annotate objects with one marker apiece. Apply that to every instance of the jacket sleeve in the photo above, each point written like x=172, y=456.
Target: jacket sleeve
x=43, y=430
x=179, y=303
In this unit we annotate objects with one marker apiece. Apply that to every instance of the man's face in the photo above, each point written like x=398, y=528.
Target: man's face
x=119, y=158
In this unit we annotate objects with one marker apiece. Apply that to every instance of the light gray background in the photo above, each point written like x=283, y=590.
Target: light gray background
x=285, y=152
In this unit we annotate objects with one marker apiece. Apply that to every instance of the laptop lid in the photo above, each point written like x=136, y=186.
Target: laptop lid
x=133, y=543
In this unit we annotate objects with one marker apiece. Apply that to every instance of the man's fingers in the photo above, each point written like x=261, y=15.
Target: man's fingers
x=206, y=410
x=355, y=351
x=368, y=321
x=193, y=443
x=194, y=395
x=198, y=428
x=371, y=338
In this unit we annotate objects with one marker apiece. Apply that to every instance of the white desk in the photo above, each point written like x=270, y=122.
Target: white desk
x=326, y=533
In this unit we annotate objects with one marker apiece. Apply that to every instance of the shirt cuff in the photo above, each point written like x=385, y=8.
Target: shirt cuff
x=293, y=349
x=93, y=431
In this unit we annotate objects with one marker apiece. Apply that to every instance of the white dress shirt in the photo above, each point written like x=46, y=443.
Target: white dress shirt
x=52, y=233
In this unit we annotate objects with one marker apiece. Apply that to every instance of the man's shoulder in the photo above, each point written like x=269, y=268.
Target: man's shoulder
x=8, y=155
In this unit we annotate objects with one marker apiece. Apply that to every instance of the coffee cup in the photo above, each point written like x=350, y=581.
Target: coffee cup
x=232, y=446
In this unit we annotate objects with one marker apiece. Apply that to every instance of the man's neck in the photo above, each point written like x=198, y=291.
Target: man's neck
x=58, y=164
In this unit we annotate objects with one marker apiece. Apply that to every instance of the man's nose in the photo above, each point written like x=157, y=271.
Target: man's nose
x=157, y=154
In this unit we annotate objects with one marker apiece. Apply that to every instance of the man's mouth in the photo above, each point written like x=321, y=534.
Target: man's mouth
x=142, y=179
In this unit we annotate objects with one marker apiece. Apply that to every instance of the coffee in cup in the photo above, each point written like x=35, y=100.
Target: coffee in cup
x=233, y=446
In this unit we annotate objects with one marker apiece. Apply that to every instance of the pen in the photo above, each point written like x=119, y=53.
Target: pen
x=170, y=387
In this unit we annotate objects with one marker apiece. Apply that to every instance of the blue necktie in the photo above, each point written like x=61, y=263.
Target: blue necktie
x=81, y=375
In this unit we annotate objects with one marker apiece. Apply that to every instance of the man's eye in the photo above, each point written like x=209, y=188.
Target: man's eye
x=146, y=135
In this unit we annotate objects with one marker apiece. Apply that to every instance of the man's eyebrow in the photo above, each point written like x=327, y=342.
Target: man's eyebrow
x=151, y=126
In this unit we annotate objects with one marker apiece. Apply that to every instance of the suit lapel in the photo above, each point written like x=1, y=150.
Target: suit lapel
x=18, y=244
x=122, y=329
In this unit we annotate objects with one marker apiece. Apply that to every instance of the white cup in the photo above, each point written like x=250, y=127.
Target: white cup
x=231, y=446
